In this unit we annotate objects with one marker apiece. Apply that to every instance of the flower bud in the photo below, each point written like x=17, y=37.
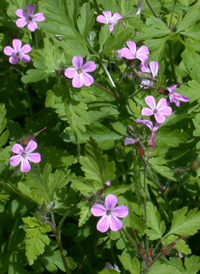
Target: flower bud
x=141, y=250
x=163, y=91
x=140, y=149
x=196, y=165
x=27, y=139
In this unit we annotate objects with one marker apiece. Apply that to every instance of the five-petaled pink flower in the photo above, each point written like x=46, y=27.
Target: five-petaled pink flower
x=29, y=17
x=110, y=214
x=24, y=156
x=18, y=52
x=132, y=53
x=79, y=73
x=153, y=128
x=176, y=97
x=107, y=18
x=159, y=111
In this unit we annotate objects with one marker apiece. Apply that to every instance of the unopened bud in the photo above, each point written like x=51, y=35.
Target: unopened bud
x=196, y=165
x=140, y=149
x=27, y=139
x=167, y=248
x=108, y=183
x=163, y=91
x=141, y=249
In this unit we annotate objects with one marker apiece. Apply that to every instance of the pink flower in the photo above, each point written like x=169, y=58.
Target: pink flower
x=28, y=17
x=132, y=53
x=79, y=73
x=107, y=18
x=153, y=70
x=153, y=128
x=176, y=97
x=18, y=52
x=24, y=156
x=110, y=214
x=108, y=183
x=159, y=111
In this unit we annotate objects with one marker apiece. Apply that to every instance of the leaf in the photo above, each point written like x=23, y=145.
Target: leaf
x=158, y=268
x=171, y=138
x=86, y=20
x=95, y=165
x=36, y=238
x=190, y=18
x=185, y=223
x=154, y=222
x=85, y=214
x=86, y=187
x=132, y=266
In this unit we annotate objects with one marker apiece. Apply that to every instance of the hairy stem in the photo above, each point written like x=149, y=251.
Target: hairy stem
x=152, y=9
x=129, y=237
x=172, y=61
x=106, y=90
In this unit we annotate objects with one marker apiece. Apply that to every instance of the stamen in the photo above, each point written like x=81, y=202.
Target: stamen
x=108, y=212
x=79, y=71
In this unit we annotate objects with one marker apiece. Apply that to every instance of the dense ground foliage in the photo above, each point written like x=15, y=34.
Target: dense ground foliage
x=99, y=136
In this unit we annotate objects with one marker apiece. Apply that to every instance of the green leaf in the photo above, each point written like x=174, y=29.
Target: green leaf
x=190, y=18
x=86, y=20
x=36, y=238
x=103, y=35
x=185, y=223
x=171, y=138
x=154, y=222
x=132, y=266
x=85, y=214
x=158, y=268
x=95, y=165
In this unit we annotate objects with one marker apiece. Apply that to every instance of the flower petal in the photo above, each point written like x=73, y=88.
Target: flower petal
x=129, y=141
x=172, y=88
x=111, y=27
x=110, y=201
x=142, y=53
x=70, y=73
x=25, y=58
x=34, y=157
x=108, y=15
x=89, y=66
x=25, y=49
x=88, y=80
x=18, y=149
x=102, y=19
x=98, y=210
x=154, y=66
x=147, y=123
x=126, y=53
x=32, y=145
x=78, y=81
x=14, y=59
x=17, y=44
x=21, y=13
x=116, y=17
x=147, y=112
x=77, y=62
x=120, y=211
x=114, y=223
x=21, y=22
x=39, y=17
x=25, y=166
x=150, y=100
x=159, y=118
x=8, y=51
x=30, y=9
x=132, y=46
x=15, y=160
x=103, y=224
x=32, y=25
x=181, y=97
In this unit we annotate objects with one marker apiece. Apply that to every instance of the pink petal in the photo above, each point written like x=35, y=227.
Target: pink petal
x=77, y=62
x=21, y=13
x=14, y=59
x=110, y=201
x=150, y=100
x=142, y=53
x=108, y=15
x=98, y=210
x=129, y=141
x=25, y=49
x=39, y=17
x=25, y=58
x=132, y=46
x=159, y=118
x=15, y=160
x=120, y=211
x=147, y=123
x=18, y=149
x=25, y=166
x=89, y=66
x=111, y=27
x=70, y=73
x=17, y=44
x=114, y=223
x=88, y=80
x=32, y=25
x=21, y=22
x=78, y=81
x=126, y=53
x=147, y=112
x=181, y=97
x=144, y=67
x=103, y=224
x=102, y=19
x=172, y=88
x=34, y=157
x=154, y=66
x=32, y=145
x=139, y=7
x=8, y=50
x=30, y=9
x=116, y=17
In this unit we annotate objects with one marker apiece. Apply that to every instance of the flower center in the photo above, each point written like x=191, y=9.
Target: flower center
x=18, y=53
x=79, y=71
x=155, y=111
x=108, y=212
x=30, y=18
x=24, y=154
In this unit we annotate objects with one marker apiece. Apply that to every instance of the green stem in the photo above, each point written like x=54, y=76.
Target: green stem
x=172, y=61
x=106, y=90
x=97, y=6
x=62, y=254
x=108, y=74
x=172, y=14
x=29, y=101
x=151, y=8
x=129, y=237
